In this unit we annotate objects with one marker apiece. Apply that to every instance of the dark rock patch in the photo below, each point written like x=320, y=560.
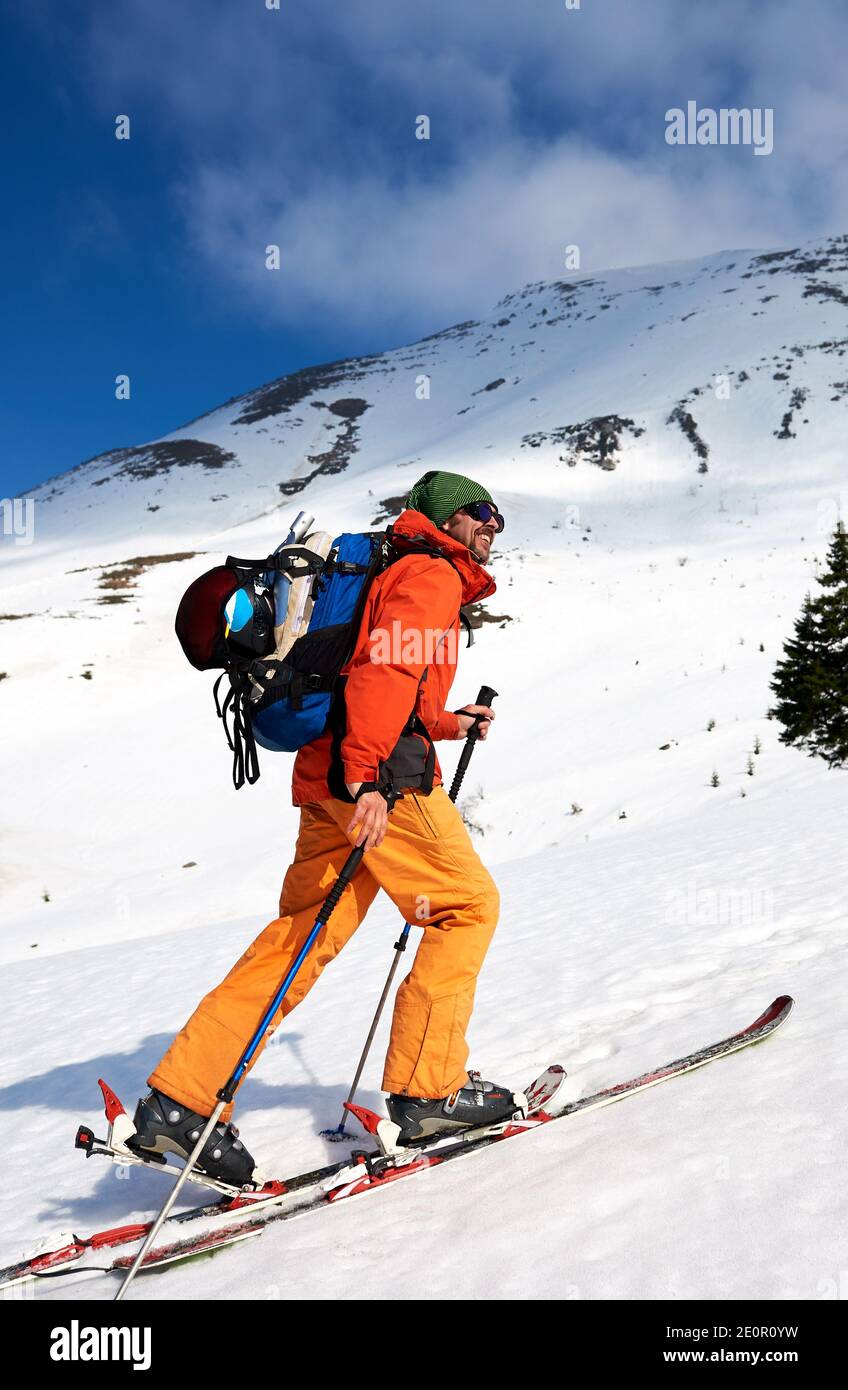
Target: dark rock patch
x=597, y=440
x=770, y=258
x=477, y=615
x=350, y=409
x=390, y=507
x=796, y=401
x=332, y=460
x=151, y=460
x=822, y=290
x=279, y=397
x=119, y=580
x=682, y=417
x=456, y=330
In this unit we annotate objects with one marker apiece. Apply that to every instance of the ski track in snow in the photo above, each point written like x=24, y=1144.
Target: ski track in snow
x=623, y=943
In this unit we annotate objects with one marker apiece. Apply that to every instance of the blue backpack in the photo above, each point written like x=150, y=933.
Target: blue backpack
x=281, y=630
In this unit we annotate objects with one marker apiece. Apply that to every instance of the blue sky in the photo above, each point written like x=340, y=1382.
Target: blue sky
x=252, y=126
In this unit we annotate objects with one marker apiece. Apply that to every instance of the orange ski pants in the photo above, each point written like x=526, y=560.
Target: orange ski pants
x=429, y=868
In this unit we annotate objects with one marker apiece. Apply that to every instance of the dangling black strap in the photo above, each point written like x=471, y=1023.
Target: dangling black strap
x=222, y=710
x=241, y=742
x=245, y=756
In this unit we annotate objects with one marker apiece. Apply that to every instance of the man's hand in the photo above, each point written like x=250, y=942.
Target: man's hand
x=466, y=718
x=371, y=815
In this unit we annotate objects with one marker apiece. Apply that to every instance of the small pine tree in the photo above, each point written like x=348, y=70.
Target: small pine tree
x=714, y=782
x=811, y=682
x=750, y=766
x=832, y=608
x=758, y=747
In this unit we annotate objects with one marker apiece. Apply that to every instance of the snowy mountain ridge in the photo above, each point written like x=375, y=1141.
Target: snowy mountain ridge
x=666, y=444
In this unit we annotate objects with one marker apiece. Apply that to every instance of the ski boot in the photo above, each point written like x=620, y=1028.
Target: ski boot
x=478, y=1102
x=165, y=1126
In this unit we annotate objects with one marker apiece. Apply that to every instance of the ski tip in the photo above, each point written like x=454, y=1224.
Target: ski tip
x=776, y=1012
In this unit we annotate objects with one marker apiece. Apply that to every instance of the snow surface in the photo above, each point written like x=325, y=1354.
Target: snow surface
x=660, y=916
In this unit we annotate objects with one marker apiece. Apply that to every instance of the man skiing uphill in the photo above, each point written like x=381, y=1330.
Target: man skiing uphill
x=420, y=854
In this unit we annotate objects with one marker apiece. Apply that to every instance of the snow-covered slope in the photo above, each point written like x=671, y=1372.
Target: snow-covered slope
x=666, y=444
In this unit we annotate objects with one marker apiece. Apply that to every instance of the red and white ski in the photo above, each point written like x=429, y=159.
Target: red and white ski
x=245, y=1215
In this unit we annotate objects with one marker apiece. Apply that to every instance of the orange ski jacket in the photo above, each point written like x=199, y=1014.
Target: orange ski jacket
x=404, y=660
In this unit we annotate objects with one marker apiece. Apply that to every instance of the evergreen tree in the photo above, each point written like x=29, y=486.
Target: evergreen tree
x=799, y=682
x=832, y=613
x=811, y=682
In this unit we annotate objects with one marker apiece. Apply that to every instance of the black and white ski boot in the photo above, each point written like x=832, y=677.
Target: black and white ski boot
x=165, y=1126
x=479, y=1102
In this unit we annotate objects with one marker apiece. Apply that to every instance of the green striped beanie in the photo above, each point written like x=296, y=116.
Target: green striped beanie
x=439, y=495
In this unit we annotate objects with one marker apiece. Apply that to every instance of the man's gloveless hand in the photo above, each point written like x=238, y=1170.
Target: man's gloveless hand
x=466, y=718
x=371, y=816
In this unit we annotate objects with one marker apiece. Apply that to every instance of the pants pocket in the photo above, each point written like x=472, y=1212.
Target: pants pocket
x=424, y=816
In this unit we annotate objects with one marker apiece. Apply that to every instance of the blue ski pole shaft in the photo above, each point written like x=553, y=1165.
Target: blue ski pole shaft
x=349, y=868
x=485, y=696
x=228, y=1090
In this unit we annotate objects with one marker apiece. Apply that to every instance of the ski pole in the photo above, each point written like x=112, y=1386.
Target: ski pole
x=485, y=696
x=228, y=1090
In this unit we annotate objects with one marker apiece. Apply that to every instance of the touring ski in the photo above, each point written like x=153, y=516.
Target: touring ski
x=239, y=1217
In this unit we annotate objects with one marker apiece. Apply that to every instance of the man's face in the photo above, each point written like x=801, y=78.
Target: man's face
x=477, y=535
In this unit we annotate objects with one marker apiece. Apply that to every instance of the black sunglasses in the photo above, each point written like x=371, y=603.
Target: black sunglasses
x=485, y=511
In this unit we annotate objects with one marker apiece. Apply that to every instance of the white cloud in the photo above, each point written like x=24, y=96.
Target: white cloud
x=366, y=250
x=296, y=127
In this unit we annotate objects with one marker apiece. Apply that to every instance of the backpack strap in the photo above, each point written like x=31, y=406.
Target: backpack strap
x=251, y=682
x=297, y=560
x=338, y=727
x=242, y=743
x=337, y=722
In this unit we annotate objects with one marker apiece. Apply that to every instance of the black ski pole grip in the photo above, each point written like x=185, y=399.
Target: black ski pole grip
x=351, y=864
x=485, y=696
